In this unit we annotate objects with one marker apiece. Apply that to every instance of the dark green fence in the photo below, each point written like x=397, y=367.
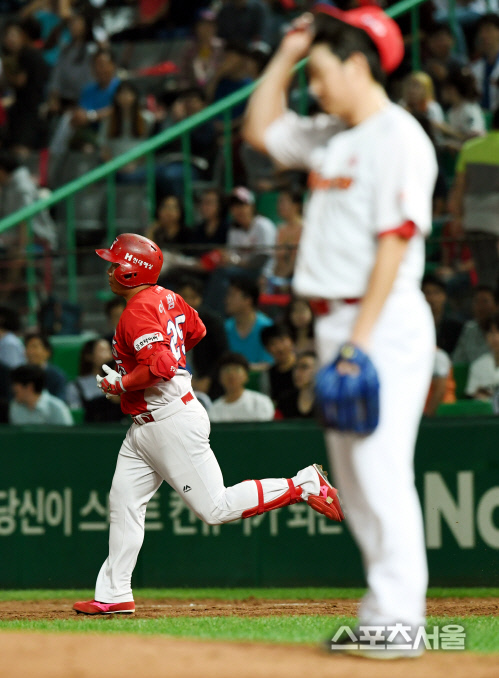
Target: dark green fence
x=54, y=526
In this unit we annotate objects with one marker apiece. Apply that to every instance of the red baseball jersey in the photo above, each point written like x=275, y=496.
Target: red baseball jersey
x=155, y=315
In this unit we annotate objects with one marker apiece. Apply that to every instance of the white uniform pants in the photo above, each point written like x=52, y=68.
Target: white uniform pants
x=374, y=474
x=175, y=449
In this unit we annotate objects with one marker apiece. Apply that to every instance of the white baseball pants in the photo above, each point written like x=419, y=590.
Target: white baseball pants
x=175, y=449
x=374, y=474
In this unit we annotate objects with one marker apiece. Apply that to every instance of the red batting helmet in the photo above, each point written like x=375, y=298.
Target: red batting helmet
x=140, y=260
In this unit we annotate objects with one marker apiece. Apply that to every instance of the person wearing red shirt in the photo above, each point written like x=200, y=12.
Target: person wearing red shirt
x=169, y=438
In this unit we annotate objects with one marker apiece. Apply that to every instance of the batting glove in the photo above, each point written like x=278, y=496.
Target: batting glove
x=112, y=384
x=349, y=398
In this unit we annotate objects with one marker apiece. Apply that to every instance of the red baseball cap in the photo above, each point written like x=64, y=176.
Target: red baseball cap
x=382, y=30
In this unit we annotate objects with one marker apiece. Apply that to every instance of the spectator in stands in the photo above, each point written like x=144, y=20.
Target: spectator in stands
x=150, y=21
x=127, y=125
x=238, y=403
x=180, y=105
x=19, y=190
x=277, y=341
x=204, y=357
x=464, y=115
x=32, y=404
x=474, y=201
x=242, y=18
x=83, y=392
x=12, y=352
x=443, y=386
x=73, y=70
x=250, y=243
x=472, y=342
x=439, y=56
x=251, y=236
x=114, y=309
x=26, y=73
x=95, y=101
x=39, y=352
x=169, y=227
x=212, y=229
x=290, y=207
x=230, y=75
x=300, y=320
x=202, y=56
x=486, y=68
x=447, y=327
x=48, y=15
x=418, y=97
x=299, y=403
x=245, y=323
x=483, y=378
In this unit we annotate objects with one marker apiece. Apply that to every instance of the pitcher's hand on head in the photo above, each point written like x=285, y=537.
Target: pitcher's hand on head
x=296, y=43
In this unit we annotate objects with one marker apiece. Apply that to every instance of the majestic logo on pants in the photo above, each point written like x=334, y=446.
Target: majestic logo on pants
x=186, y=488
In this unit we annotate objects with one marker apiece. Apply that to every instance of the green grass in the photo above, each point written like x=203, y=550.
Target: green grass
x=239, y=593
x=482, y=632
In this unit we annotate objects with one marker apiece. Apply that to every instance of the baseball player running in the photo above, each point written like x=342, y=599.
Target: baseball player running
x=372, y=172
x=169, y=437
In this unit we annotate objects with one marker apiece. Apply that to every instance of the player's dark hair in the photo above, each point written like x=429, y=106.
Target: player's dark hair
x=233, y=359
x=41, y=337
x=274, y=332
x=248, y=287
x=29, y=374
x=114, y=303
x=344, y=40
x=193, y=284
x=430, y=279
x=491, y=323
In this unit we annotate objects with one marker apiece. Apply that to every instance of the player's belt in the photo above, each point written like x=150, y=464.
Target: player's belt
x=163, y=412
x=324, y=306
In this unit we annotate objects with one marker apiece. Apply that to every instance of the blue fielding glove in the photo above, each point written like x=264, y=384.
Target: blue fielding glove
x=349, y=402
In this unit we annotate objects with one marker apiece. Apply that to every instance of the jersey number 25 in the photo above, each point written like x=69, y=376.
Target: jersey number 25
x=174, y=330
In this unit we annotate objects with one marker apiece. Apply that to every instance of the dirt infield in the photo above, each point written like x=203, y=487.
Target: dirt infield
x=42, y=655
x=253, y=607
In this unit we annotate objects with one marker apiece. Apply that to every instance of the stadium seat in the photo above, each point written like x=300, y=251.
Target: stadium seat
x=66, y=352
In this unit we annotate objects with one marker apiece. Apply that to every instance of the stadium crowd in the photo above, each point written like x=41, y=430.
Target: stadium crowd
x=83, y=82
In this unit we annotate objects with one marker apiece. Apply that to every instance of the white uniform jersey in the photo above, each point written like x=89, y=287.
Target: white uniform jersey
x=365, y=181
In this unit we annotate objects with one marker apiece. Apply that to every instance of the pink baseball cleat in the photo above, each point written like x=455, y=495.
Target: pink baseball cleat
x=328, y=501
x=94, y=607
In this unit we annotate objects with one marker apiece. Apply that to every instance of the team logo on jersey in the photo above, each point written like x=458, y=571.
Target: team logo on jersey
x=147, y=339
x=316, y=182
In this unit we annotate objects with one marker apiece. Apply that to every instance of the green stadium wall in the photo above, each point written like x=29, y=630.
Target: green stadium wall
x=54, y=488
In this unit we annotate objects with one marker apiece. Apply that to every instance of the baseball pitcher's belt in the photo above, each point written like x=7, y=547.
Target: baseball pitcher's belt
x=163, y=412
x=324, y=306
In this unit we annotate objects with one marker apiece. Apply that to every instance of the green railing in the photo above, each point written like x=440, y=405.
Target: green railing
x=182, y=130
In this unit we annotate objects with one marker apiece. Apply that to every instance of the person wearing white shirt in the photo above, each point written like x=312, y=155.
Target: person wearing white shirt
x=483, y=378
x=239, y=403
x=32, y=404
